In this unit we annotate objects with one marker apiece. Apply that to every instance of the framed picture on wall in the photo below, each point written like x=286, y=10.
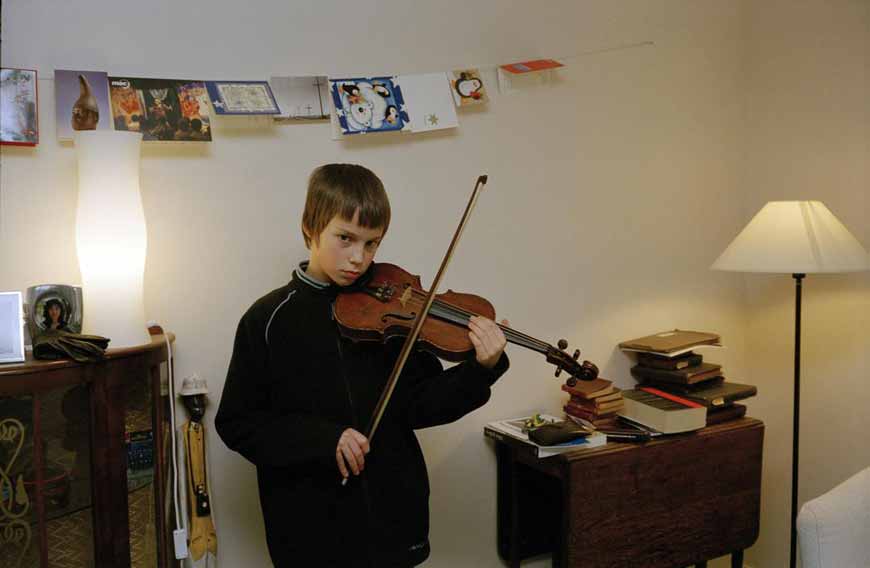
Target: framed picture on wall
x=19, y=107
x=11, y=328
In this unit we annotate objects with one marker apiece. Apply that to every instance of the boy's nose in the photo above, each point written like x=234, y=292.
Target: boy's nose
x=356, y=256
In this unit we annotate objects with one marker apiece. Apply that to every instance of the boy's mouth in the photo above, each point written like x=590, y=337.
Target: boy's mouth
x=350, y=273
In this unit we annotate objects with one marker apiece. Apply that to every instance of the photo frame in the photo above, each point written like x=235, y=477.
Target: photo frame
x=55, y=306
x=11, y=328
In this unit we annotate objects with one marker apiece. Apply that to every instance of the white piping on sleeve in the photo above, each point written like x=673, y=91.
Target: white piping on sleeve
x=275, y=311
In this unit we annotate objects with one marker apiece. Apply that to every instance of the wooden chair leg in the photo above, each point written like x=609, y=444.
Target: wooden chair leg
x=737, y=559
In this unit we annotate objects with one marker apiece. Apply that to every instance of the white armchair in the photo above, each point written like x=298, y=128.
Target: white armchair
x=834, y=528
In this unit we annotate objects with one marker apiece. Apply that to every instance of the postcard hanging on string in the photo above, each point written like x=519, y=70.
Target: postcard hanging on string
x=368, y=104
x=515, y=76
x=467, y=88
x=81, y=102
x=531, y=66
x=19, y=111
x=301, y=98
x=428, y=101
x=242, y=97
x=161, y=109
x=333, y=122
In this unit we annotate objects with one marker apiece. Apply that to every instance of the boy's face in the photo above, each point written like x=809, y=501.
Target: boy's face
x=343, y=251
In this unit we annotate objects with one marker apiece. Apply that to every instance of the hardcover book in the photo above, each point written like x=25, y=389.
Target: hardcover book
x=688, y=375
x=582, y=412
x=725, y=414
x=595, y=423
x=598, y=400
x=595, y=406
x=711, y=396
x=671, y=342
x=590, y=389
x=674, y=363
x=666, y=415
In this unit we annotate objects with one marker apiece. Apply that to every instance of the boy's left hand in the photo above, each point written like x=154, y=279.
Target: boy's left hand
x=488, y=340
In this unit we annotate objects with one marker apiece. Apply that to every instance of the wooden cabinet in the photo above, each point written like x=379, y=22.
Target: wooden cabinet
x=675, y=501
x=69, y=495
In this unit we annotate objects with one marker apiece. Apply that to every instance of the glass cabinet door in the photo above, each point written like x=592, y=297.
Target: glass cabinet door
x=46, y=517
x=139, y=437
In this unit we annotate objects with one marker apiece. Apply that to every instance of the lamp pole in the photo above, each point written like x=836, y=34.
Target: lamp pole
x=796, y=415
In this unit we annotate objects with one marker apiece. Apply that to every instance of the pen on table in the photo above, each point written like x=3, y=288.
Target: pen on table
x=626, y=435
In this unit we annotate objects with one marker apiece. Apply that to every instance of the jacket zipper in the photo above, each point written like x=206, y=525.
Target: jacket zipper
x=343, y=374
x=363, y=479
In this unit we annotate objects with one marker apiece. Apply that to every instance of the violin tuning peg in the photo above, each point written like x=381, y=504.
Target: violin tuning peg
x=590, y=370
x=571, y=381
x=563, y=344
x=576, y=354
x=558, y=371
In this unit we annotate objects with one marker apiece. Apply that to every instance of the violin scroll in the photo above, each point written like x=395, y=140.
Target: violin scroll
x=586, y=371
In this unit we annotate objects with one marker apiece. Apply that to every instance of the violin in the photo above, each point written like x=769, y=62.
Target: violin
x=392, y=302
x=387, y=305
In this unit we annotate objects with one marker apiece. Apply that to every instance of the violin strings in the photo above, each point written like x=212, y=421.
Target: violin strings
x=461, y=316
x=506, y=329
x=510, y=333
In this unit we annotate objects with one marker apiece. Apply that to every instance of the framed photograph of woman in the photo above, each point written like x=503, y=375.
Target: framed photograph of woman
x=11, y=330
x=54, y=306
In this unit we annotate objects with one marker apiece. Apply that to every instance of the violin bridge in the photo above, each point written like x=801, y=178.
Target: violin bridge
x=406, y=296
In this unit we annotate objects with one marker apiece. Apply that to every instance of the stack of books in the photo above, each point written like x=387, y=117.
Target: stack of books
x=593, y=403
x=668, y=367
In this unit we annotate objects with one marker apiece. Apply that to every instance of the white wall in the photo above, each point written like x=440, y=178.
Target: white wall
x=610, y=194
x=807, y=92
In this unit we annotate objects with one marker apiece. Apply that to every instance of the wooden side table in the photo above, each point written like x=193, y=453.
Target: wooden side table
x=68, y=491
x=672, y=502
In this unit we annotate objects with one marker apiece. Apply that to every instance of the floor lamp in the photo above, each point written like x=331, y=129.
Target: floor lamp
x=797, y=238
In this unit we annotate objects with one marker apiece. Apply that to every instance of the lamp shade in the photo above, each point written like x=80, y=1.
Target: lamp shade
x=794, y=237
x=111, y=238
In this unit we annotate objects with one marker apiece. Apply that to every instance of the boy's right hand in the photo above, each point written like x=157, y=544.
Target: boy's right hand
x=350, y=452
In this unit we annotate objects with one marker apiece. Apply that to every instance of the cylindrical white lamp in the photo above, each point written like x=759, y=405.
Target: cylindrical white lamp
x=111, y=237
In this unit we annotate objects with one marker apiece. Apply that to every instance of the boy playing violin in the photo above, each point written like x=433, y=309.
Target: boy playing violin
x=298, y=396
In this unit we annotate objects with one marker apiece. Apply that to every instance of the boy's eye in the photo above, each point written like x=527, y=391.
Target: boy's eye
x=344, y=238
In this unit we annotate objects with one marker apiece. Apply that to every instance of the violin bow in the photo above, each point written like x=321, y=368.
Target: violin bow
x=421, y=317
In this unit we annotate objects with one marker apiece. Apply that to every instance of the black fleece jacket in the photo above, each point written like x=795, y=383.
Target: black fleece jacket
x=293, y=386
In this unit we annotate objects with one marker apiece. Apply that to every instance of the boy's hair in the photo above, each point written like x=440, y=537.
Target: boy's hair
x=342, y=189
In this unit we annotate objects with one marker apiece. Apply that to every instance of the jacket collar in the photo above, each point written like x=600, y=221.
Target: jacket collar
x=329, y=288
